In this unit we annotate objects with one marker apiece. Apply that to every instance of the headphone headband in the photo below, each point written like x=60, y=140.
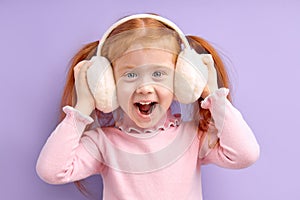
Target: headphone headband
x=136, y=16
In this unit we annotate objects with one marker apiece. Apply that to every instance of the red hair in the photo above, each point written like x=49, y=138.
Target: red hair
x=202, y=46
x=199, y=44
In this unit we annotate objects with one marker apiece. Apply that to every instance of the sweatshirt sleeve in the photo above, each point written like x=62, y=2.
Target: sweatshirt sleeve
x=229, y=142
x=63, y=158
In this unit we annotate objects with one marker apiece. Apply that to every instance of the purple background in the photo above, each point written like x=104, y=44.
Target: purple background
x=260, y=38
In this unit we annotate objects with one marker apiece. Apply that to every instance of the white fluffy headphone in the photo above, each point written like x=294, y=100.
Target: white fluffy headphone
x=190, y=78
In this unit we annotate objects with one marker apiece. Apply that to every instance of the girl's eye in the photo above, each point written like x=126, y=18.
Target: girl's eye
x=157, y=74
x=130, y=75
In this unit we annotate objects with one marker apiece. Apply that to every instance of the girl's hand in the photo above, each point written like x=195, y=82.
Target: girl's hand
x=85, y=100
x=212, y=82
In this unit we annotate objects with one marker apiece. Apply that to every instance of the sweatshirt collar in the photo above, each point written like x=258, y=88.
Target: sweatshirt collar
x=128, y=126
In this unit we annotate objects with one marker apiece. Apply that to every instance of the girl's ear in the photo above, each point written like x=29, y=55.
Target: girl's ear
x=101, y=82
x=191, y=75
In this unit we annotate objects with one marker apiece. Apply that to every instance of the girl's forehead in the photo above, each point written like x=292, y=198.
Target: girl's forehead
x=146, y=57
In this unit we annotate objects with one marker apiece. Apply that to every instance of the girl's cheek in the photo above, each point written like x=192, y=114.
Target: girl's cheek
x=167, y=84
x=124, y=93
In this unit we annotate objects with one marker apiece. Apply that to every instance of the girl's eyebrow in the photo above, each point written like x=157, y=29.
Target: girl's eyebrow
x=161, y=66
x=129, y=67
x=124, y=68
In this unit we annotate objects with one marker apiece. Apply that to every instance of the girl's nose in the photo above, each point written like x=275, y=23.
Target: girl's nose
x=145, y=89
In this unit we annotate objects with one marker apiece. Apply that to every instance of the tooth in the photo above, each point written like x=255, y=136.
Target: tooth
x=145, y=103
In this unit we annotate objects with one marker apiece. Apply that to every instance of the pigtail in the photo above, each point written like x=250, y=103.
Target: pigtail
x=202, y=46
x=69, y=96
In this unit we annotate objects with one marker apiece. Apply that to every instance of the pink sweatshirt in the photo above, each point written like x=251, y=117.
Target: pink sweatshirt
x=164, y=164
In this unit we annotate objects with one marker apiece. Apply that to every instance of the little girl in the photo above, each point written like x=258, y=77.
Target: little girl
x=145, y=107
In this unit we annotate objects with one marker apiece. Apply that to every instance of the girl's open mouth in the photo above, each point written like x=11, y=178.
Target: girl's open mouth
x=145, y=108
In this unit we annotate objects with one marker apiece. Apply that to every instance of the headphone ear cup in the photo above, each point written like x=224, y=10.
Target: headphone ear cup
x=191, y=76
x=100, y=79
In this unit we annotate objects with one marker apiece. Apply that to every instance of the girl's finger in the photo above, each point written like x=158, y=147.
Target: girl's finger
x=82, y=66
